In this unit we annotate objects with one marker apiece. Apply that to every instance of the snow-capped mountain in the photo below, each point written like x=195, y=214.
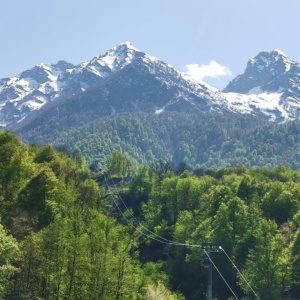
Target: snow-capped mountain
x=123, y=79
x=29, y=91
x=269, y=88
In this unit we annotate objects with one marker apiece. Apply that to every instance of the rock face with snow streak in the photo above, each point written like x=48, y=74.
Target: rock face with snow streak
x=269, y=88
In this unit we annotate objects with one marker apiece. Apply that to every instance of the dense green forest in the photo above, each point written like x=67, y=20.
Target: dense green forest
x=57, y=237
x=70, y=232
x=201, y=140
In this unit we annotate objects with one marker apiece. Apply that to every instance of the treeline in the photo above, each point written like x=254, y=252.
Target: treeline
x=57, y=237
x=201, y=140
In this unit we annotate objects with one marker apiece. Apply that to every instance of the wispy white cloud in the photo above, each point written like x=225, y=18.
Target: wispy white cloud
x=213, y=69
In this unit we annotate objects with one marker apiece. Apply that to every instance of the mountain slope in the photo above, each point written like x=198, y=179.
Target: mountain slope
x=199, y=139
x=269, y=88
x=123, y=80
x=21, y=95
x=92, y=107
x=29, y=91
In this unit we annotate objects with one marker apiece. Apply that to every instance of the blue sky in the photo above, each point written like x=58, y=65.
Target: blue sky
x=214, y=38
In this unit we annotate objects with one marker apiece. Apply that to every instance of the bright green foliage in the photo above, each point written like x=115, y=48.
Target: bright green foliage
x=79, y=257
x=295, y=256
x=265, y=263
x=69, y=249
x=232, y=223
x=9, y=254
x=246, y=211
x=282, y=201
x=162, y=293
x=15, y=171
x=142, y=183
x=74, y=245
x=36, y=196
x=119, y=164
x=247, y=189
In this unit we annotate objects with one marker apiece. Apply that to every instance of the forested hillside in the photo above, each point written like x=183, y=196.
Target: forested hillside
x=57, y=238
x=201, y=140
x=70, y=233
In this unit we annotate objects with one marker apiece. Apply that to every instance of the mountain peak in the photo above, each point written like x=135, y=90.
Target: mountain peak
x=275, y=53
x=278, y=52
x=262, y=71
x=115, y=58
x=126, y=46
x=270, y=87
x=122, y=53
x=274, y=61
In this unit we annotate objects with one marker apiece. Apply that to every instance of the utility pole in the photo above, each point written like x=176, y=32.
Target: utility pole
x=207, y=248
x=209, y=283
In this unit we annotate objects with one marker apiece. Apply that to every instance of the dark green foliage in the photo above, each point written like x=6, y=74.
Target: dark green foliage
x=198, y=140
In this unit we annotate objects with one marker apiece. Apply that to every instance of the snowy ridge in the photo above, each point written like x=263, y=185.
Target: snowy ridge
x=267, y=58
x=265, y=103
x=28, y=91
x=22, y=94
x=113, y=60
x=127, y=79
x=269, y=88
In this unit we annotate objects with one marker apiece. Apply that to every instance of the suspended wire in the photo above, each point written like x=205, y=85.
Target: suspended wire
x=239, y=272
x=129, y=221
x=151, y=233
x=120, y=198
x=159, y=239
x=220, y=274
x=164, y=241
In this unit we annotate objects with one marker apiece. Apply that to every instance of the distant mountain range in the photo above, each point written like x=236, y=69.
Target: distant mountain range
x=125, y=79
